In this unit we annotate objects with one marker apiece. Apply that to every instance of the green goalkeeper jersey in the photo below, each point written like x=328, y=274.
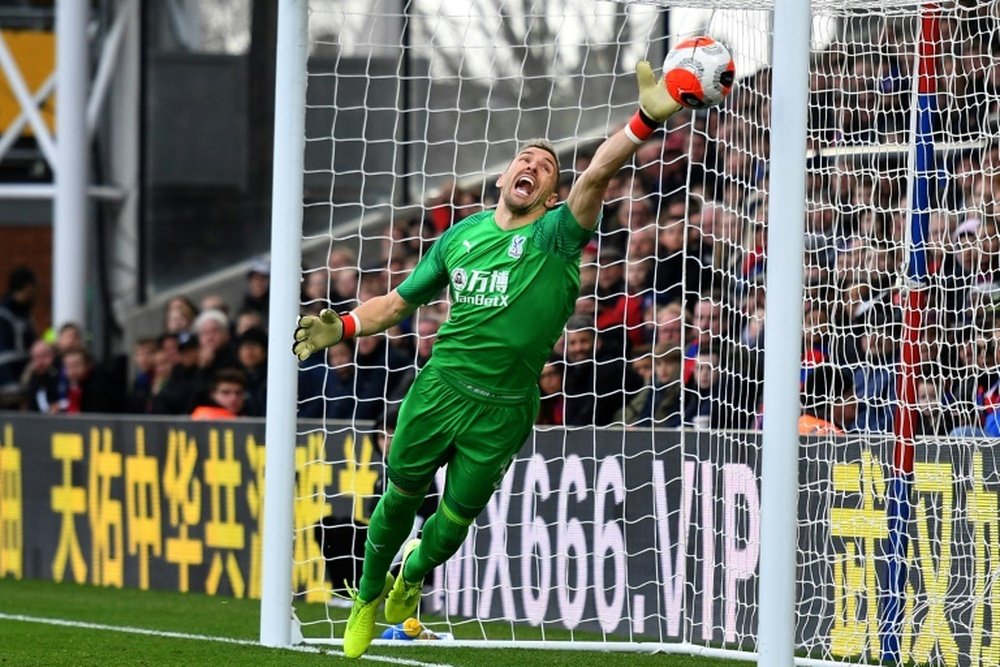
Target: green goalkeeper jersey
x=511, y=294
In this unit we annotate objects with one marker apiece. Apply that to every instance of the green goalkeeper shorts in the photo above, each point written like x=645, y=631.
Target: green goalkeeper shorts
x=441, y=422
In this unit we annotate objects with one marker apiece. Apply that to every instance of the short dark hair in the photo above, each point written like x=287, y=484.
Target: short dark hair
x=20, y=278
x=253, y=336
x=545, y=145
x=229, y=376
x=826, y=383
x=580, y=323
x=187, y=340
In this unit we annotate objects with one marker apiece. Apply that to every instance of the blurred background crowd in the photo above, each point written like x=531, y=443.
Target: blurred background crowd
x=670, y=321
x=210, y=361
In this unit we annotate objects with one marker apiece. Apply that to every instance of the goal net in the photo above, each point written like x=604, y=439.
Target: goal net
x=631, y=518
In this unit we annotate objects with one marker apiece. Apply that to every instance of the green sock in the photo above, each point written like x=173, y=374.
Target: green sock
x=442, y=536
x=390, y=525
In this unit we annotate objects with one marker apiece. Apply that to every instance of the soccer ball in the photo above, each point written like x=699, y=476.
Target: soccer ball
x=699, y=72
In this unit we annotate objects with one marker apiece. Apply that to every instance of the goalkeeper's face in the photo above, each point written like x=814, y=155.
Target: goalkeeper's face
x=530, y=182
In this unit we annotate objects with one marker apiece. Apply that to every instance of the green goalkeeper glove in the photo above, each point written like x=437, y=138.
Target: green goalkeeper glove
x=655, y=105
x=317, y=333
x=654, y=100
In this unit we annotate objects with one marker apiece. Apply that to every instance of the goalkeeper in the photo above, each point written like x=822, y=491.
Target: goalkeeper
x=513, y=274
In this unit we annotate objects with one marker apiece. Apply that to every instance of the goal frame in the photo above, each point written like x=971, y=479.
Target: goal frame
x=291, y=54
x=278, y=627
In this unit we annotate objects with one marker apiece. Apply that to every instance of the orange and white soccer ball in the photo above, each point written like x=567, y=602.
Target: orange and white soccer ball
x=699, y=72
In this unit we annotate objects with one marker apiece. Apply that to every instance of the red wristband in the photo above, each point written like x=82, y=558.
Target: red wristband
x=640, y=127
x=351, y=325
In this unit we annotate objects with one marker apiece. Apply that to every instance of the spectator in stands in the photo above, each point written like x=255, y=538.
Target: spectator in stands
x=709, y=325
x=144, y=369
x=463, y=202
x=815, y=335
x=618, y=190
x=216, y=349
x=399, y=268
x=595, y=382
x=315, y=290
x=849, y=277
x=615, y=225
x=622, y=315
x=345, y=283
x=226, y=396
x=704, y=398
x=343, y=260
x=550, y=386
x=312, y=377
x=960, y=272
x=679, y=273
x=663, y=164
x=586, y=304
x=641, y=362
x=821, y=230
x=752, y=270
x=185, y=386
x=249, y=319
x=427, y=328
x=721, y=252
x=829, y=405
x=640, y=214
x=613, y=305
x=979, y=388
x=41, y=379
x=940, y=228
x=164, y=360
x=752, y=334
x=69, y=337
x=988, y=238
x=374, y=282
x=876, y=375
x=258, y=288
x=214, y=302
x=338, y=386
x=179, y=314
x=669, y=331
x=85, y=388
x=251, y=350
x=382, y=376
x=642, y=250
x=17, y=334
x=341, y=257
x=934, y=418
x=169, y=345
x=659, y=402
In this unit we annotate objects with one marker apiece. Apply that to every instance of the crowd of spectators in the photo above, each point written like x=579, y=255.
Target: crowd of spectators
x=669, y=325
x=209, y=361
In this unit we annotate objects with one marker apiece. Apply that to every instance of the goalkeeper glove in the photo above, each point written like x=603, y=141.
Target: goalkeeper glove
x=318, y=333
x=655, y=104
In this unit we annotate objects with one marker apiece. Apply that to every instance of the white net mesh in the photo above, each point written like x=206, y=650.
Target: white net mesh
x=645, y=528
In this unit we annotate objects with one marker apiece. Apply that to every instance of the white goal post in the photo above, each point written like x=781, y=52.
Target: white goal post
x=658, y=506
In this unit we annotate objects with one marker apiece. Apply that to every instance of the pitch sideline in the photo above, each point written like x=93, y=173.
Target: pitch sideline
x=208, y=638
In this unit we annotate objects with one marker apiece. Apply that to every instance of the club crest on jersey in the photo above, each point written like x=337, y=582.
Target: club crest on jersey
x=459, y=278
x=516, y=248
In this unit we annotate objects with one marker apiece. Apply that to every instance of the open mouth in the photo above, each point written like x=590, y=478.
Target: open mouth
x=524, y=185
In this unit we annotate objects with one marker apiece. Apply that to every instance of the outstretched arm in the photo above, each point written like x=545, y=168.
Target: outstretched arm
x=381, y=312
x=377, y=314
x=655, y=106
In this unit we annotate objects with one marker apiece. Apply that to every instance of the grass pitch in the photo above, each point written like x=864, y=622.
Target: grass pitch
x=43, y=623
